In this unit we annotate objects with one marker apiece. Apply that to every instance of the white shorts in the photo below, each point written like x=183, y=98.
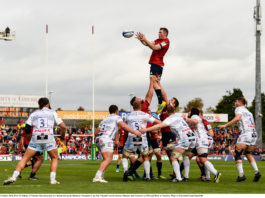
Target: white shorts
x=42, y=146
x=202, y=143
x=248, y=139
x=185, y=143
x=104, y=144
x=136, y=143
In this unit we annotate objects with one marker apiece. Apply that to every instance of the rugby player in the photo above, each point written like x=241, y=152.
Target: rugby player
x=202, y=145
x=159, y=47
x=120, y=140
x=106, y=133
x=137, y=120
x=247, y=139
x=205, y=173
x=186, y=138
x=42, y=121
x=145, y=103
x=35, y=161
x=168, y=138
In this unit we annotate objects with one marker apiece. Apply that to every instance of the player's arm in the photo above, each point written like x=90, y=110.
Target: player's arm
x=154, y=128
x=97, y=131
x=235, y=120
x=22, y=139
x=63, y=130
x=190, y=121
x=150, y=92
x=145, y=42
x=129, y=129
x=117, y=137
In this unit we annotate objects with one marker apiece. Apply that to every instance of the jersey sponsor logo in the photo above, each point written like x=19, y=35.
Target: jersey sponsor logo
x=163, y=44
x=41, y=130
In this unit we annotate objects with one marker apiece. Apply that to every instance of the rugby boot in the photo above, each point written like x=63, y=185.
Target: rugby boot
x=257, y=177
x=217, y=177
x=240, y=179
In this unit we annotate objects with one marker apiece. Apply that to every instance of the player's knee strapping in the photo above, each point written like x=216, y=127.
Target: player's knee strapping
x=175, y=154
x=238, y=155
x=157, y=150
x=126, y=153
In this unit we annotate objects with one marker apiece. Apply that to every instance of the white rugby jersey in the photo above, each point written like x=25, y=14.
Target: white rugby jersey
x=109, y=126
x=199, y=129
x=43, y=121
x=138, y=120
x=179, y=127
x=246, y=124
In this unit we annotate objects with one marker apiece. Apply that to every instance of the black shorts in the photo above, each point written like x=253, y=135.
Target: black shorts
x=120, y=149
x=194, y=151
x=156, y=70
x=154, y=143
x=168, y=137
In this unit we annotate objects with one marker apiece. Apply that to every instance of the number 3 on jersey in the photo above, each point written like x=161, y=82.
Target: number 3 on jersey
x=42, y=122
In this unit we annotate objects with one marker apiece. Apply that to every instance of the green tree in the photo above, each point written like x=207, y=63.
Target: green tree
x=226, y=104
x=252, y=110
x=196, y=102
x=209, y=110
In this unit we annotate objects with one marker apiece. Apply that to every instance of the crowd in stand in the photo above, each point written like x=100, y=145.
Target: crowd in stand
x=78, y=141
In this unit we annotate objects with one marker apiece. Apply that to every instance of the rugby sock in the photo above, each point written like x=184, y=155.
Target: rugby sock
x=151, y=171
x=147, y=168
x=99, y=174
x=159, y=96
x=186, y=163
x=254, y=166
x=15, y=174
x=240, y=169
x=118, y=166
x=136, y=165
x=175, y=166
x=103, y=173
x=32, y=174
x=52, y=175
x=181, y=166
x=210, y=167
x=125, y=164
x=159, y=168
x=202, y=168
x=207, y=173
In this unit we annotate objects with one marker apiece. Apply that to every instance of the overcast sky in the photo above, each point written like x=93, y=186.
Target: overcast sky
x=212, y=49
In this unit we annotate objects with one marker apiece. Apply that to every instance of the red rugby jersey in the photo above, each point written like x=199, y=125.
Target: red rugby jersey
x=157, y=56
x=145, y=108
x=123, y=137
x=163, y=116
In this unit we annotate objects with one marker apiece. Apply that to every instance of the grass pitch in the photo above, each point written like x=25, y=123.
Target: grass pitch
x=76, y=177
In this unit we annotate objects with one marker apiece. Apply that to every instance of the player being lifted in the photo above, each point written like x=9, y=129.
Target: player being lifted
x=197, y=126
x=186, y=138
x=159, y=47
x=137, y=120
x=106, y=133
x=247, y=139
x=42, y=121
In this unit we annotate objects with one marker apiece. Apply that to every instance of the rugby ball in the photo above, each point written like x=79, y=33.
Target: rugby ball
x=127, y=33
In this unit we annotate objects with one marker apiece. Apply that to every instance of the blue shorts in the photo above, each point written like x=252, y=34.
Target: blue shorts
x=156, y=70
x=40, y=147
